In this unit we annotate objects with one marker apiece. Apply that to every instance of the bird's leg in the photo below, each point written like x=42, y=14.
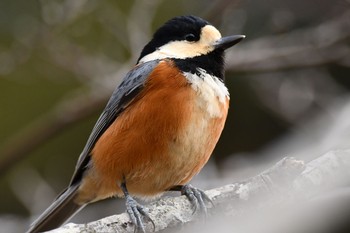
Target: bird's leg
x=196, y=196
x=135, y=210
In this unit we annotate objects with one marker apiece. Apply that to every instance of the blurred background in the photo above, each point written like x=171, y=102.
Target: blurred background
x=60, y=60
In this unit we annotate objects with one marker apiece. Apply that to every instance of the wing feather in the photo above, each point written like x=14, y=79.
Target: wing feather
x=120, y=99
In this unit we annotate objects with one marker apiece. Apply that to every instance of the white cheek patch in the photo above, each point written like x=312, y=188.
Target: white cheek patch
x=211, y=91
x=177, y=49
x=184, y=49
x=209, y=34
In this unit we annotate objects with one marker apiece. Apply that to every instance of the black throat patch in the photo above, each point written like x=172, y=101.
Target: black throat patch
x=212, y=63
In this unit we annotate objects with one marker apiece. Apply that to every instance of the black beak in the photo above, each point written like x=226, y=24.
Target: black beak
x=228, y=41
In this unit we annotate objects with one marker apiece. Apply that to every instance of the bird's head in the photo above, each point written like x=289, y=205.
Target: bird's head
x=186, y=37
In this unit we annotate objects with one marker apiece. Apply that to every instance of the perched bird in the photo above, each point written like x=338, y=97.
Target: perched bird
x=159, y=127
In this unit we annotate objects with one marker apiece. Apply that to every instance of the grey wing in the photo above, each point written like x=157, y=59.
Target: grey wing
x=121, y=97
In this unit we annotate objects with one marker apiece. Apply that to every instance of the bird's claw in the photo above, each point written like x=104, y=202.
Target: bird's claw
x=197, y=198
x=136, y=212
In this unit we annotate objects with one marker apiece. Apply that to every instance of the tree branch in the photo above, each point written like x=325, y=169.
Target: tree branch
x=287, y=180
x=47, y=126
x=324, y=44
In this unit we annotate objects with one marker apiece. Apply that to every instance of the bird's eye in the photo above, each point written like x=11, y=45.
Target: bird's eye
x=190, y=37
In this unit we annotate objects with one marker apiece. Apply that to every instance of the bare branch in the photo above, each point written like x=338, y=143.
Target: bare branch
x=321, y=45
x=62, y=116
x=265, y=190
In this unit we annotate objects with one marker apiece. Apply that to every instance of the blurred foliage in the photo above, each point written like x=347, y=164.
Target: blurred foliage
x=53, y=50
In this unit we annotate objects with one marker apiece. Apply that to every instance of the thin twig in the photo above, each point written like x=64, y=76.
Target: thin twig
x=321, y=45
x=49, y=125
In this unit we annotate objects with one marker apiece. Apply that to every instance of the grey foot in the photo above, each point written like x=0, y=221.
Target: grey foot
x=196, y=196
x=136, y=211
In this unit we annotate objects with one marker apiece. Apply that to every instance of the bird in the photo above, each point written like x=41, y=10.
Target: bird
x=159, y=127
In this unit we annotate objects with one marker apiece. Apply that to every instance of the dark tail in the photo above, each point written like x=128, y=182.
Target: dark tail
x=60, y=211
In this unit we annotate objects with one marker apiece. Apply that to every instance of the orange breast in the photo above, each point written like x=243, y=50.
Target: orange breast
x=162, y=139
